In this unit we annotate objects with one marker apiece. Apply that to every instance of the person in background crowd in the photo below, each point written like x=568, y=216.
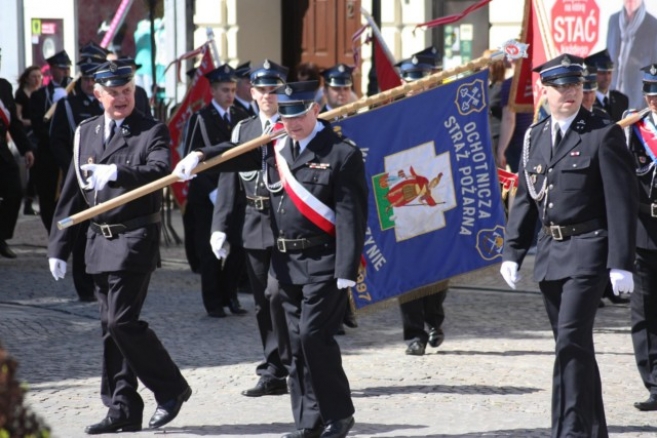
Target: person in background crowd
x=212, y=125
x=309, y=71
x=46, y=171
x=427, y=310
x=243, y=98
x=613, y=102
x=644, y=299
x=589, y=89
x=116, y=153
x=11, y=191
x=587, y=237
x=29, y=81
x=496, y=76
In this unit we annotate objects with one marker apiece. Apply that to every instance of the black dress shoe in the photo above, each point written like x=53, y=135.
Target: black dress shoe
x=5, y=251
x=415, y=348
x=338, y=429
x=166, y=412
x=618, y=300
x=649, y=405
x=217, y=313
x=28, y=210
x=436, y=337
x=111, y=425
x=235, y=307
x=340, y=330
x=304, y=433
x=350, y=319
x=267, y=386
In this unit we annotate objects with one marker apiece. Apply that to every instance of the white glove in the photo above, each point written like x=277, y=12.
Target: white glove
x=509, y=271
x=220, y=247
x=59, y=94
x=101, y=174
x=344, y=283
x=621, y=281
x=57, y=268
x=183, y=169
x=213, y=196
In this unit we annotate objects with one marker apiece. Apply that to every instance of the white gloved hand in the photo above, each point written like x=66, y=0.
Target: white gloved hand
x=621, y=281
x=509, y=271
x=57, y=268
x=59, y=94
x=183, y=169
x=213, y=196
x=344, y=283
x=220, y=247
x=100, y=176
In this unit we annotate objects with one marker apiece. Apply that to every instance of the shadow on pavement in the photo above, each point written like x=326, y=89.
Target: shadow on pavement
x=445, y=389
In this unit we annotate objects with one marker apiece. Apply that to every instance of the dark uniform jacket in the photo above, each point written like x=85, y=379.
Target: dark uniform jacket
x=205, y=128
x=617, y=105
x=646, y=170
x=234, y=188
x=70, y=111
x=590, y=177
x=40, y=103
x=140, y=150
x=15, y=127
x=333, y=171
x=247, y=109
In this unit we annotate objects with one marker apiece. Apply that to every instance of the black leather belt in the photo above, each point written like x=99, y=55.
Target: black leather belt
x=560, y=232
x=285, y=245
x=258, y=202
x=649, y=209
x=110, y=230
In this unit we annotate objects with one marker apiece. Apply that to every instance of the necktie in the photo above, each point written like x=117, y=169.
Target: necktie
x=295, y=150
x=267, y=127
x=112, y=130
x=605, y=103
x=226, y=119
x=557, y=138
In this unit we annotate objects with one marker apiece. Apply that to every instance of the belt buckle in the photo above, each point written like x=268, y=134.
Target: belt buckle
x=106, y=231
x=653, y=210
x=259, y=203
x=555, y=232
x=280, y=244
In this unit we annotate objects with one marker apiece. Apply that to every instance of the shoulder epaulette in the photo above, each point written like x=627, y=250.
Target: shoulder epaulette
x=539, y=122
x=90, y=119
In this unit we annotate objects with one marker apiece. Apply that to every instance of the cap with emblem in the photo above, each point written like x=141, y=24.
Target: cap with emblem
x=296, y=98
x=600, y=60
x=649, y=80
x=110, y=74
x=564, y=69
x=59, y=59
x=92, y=52
x=223, y=73
x=590, y=78
x=338, y=76
x=419, y=65
x=268, y=74
x=126, y=60
x=242, y=70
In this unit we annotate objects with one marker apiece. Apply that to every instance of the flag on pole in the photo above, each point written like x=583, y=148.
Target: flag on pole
x=435, y=208
x=198, y=95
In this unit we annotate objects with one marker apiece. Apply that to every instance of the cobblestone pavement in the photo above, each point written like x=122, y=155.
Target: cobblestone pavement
x=491, y=377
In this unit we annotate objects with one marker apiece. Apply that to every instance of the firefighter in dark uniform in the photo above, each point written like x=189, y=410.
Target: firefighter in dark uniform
x=213, y=125
x=114, y=154
x=589, y=89
x=11, y=191
x=319, y=243
x=46, y=170
x=644, y=299
x=427, y=310
x=243, y=98
x=245, y=195
x=79, y=105
x=577, y=178
x=337, y=92
x=613, y=102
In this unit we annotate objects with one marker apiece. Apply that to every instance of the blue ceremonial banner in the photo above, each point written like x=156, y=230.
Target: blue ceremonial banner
x=435, y=209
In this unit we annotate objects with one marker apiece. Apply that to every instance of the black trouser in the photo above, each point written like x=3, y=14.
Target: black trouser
x=84, y=283
x=11, y=193
x=131, y=350
x=577, y=407
x=319, y=387
x=190, y=243
x=643, y=304
x=46, y=179
x=426, y=310
x=257, y=266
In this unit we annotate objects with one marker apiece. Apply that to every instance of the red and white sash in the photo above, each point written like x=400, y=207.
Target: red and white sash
x=310, y=207
x=647, y=134
x=5, y=115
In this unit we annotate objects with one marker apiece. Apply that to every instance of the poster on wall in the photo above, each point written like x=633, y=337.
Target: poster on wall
x=47, y=39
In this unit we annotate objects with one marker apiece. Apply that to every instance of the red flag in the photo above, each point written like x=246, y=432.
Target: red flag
x=198, y=95
x=385, y=72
